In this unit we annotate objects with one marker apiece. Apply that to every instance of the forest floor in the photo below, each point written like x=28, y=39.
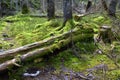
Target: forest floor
x=19, y=30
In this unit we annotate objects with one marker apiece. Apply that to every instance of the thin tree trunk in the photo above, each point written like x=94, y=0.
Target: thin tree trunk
x=43, y=5
x=50, y=9
x=16, y=5
x=118, y=4
x=104, y=5
x=74, y=3
x=11, y=4
x=89, y=5
x=112, y=8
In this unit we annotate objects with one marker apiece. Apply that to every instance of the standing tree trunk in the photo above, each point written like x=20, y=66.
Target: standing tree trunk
x=50, y=9
x=112, y=8
x=0, y=10
x=104, y=5
x=74, y=3
x=16, y=5
x=11, y=4
x=118, y=4
x=25, y=9
x=89, y=5
x=67, y=10
x=42, y=6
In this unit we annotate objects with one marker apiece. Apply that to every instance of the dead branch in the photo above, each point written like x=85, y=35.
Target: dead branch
x=45, y=50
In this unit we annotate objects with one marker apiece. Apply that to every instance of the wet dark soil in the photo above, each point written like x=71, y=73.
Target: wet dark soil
x=50, y=73
x=4, y=75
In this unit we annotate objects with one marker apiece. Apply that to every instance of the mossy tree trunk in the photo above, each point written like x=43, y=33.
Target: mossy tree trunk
x=50, y=9
x=112, y=8
x=25, y=9
x=67, y=10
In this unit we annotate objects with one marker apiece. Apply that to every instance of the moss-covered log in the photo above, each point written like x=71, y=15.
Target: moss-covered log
x=46, y=50
x=49, y=41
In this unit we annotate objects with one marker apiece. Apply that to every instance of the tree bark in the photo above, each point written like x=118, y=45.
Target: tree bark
x=14, y=52
x=89, y=5
x=25, y=8
x=77, y=36
x=106, y=35
x=112, y=8
x=67, y=10
x=118, y=4
x=0, y=9
x=75, y=3
x=104, y=5
x=50, y=9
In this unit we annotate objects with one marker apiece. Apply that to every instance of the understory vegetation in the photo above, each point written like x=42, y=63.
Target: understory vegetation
x=20, y=30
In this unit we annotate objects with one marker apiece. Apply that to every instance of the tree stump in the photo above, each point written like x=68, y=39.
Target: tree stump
x=25, y=9
x=105, y=34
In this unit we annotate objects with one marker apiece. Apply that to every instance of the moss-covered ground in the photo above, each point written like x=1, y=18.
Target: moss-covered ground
x=23, y=29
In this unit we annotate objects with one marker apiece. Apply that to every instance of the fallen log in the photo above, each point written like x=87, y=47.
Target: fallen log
x=45, y=50
x=30, y=46
x=14, y=52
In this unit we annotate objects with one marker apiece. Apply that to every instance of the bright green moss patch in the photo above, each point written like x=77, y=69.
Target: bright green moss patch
x=25, y=38
x=87, y=61
x=5, y=45
x=24, y=30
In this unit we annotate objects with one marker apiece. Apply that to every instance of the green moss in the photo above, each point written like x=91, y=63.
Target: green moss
x=86, y=47
x=25, y=38
x=26, y=29
x=99, y=19
x=18, y=73
x=5, y=45
x=114, y=75
x=72, y=62
x=52, y=23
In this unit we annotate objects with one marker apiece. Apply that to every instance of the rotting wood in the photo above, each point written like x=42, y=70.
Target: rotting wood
x=39, y=44
x=30, y=46
x=43, y=51
x=106, y=34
